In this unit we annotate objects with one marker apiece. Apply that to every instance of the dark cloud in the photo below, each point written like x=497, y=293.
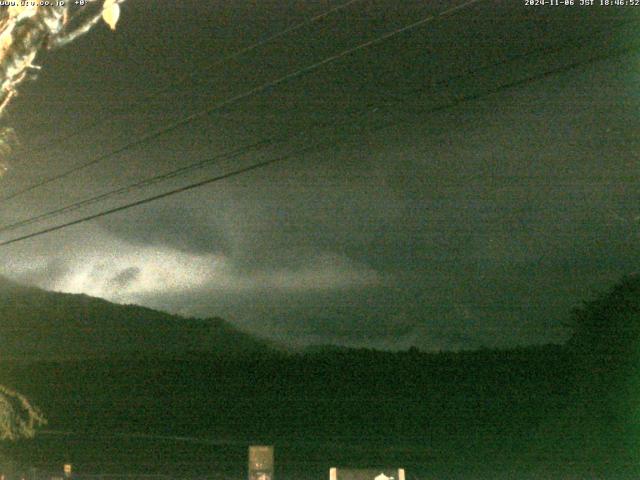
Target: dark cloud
x=125, y=277
x=193, y=228
x=478, y=225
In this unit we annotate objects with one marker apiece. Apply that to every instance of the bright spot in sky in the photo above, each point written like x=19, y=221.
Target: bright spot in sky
x=146, y=270
x=128, y=273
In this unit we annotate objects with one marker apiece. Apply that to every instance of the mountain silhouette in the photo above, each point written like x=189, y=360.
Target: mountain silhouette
x=39, y=325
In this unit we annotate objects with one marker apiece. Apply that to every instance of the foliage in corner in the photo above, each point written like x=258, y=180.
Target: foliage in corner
x=27, y=30
x=18, y=418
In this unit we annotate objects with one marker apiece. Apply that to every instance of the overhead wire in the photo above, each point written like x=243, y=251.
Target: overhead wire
x=245, y=149
x=137, y=185
x=190, y=76
x=157, y=178
x=225, y=103
x=319, y=146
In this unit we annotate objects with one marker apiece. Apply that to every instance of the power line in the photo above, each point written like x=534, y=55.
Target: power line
x=316, y=147
x=267, y=142
x=554, y=47
x=174, y=173
x=225, y=103
x=238, y=152
x=153, y=198
x=225, y=59
x=140, y=184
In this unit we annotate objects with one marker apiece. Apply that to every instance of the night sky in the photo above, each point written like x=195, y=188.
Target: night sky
x=478, y=224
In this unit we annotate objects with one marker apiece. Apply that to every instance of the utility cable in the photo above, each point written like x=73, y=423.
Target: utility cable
x=189, y=77
x=320, y=146
x=225, y=103
x=268, y=142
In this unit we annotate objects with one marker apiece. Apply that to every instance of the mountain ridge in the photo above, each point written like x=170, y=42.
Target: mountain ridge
x=36, y=324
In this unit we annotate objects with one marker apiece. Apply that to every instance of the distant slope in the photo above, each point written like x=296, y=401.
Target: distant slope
x=40, y=325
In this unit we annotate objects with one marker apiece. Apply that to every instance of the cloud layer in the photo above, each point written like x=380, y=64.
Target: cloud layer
x=478, y=225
